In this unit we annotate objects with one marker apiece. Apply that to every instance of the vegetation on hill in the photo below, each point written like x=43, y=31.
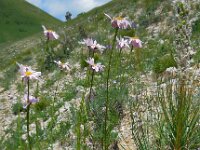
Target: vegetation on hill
x=129, y=96
x=19, y=19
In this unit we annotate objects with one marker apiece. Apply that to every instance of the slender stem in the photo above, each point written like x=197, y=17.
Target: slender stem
x=91, y=84
x=78, y=130
x=130, y=57
x=92, y=79
x=27, y=116
x=89, y=72
x=93, y=53
x=52, y=115
x=131, y=49
x=19, y=128
x=120, y=52
x=107, y=90
x=120, y=68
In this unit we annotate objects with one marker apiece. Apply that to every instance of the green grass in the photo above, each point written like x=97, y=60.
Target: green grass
x=19, y=19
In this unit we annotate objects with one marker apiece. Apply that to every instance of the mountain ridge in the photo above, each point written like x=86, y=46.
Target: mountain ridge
x=20, y=19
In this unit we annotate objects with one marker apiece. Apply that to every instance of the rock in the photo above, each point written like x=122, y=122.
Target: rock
x=80, y=91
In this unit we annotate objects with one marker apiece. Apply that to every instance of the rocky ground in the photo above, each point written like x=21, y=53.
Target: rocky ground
x=8, y=98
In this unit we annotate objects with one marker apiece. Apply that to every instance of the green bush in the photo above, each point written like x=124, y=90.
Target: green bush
x=164, y=62
x=69, y=94
x=83, y=62
x=196, y=27
x=42, y=104
x=17, y=108
x=197, y=56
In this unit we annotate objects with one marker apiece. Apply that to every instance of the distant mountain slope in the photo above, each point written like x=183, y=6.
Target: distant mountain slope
x=19, y=19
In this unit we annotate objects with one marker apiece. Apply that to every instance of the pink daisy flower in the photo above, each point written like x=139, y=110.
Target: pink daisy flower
x=27, y=73
x=64, y=66
x=50, y=34
x=122, y=43
x=97, y=67
x=135, y=42
x=26, y=102
x=119, y=22
x=93, y=45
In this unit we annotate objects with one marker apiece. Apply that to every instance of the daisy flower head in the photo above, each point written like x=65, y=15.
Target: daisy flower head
x=96, y=67
x=122, y=43
x=90, y=61
x=28, y=101
x=97, y=46
x=63, y=66
x=93, y=45
x=27, y=73
x=50, y=34
x=119, y=22
x=88, y=42
x=135, y=42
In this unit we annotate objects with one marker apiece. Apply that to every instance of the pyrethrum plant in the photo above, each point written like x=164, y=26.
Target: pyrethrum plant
x=177, y=118
x=117, y=23
x=179, y=101
x=28, y=74
x=48, y=49
x=81, y=129
x=180, y=107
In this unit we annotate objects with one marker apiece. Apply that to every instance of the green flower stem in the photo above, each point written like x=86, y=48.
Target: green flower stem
x=78, y=131
x=91, y=84
x=93, y=53
x=131, y=49
x=130, y=55
x=52, y=115
x=92, y=79
x=19, y=128
x=90, y=52
x=27, y=117
x=120, y=68
x=107, y=91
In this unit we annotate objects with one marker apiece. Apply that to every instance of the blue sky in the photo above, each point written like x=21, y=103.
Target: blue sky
x=58, y=8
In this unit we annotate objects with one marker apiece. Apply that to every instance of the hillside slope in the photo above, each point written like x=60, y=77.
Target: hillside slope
x=66, y=117
x=19, y=19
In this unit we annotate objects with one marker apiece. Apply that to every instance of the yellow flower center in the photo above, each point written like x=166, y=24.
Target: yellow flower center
x=118, y=18
x=28, y=73
x=50, y=30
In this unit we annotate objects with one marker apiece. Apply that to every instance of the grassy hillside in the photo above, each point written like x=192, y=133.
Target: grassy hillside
x=134, y=103
x=19, y=19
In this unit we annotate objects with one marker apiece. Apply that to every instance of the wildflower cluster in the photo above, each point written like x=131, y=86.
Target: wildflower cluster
x=28, y=74
x=154, y=106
